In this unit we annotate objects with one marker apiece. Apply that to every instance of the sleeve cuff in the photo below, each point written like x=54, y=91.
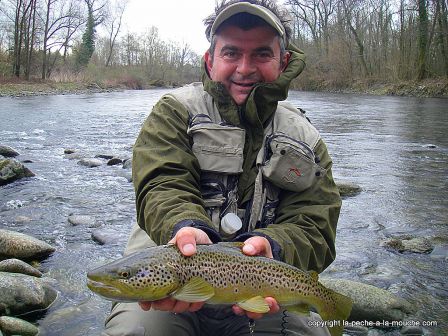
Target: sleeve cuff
x=198, y=224
x=276, y=249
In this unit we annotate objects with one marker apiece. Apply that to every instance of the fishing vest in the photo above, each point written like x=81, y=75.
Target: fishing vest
x=286, y=159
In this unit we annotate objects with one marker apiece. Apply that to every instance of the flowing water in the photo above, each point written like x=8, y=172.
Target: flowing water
x=395, y=148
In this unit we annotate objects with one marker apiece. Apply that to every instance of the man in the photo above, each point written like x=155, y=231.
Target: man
x=224, y=160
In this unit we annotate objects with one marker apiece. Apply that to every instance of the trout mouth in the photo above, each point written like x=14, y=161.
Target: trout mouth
x=101, y=286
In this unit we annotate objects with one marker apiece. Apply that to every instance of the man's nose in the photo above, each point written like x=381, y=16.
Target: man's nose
x=246, y=66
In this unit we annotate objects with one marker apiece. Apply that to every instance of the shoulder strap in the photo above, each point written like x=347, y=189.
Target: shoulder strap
x=197, y=101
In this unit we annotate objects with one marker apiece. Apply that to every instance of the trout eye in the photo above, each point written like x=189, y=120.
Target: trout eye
x=123, y=274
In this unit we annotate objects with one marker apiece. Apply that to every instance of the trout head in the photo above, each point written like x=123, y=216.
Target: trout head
x=137, y=277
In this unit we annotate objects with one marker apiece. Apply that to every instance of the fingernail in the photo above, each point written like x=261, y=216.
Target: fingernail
x=188, y=249
x=249, y=249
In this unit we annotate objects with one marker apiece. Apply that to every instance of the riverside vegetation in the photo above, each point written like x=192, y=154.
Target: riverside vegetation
x=387, y=47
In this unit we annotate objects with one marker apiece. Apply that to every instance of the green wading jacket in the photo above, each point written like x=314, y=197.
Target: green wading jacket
x=166, y=174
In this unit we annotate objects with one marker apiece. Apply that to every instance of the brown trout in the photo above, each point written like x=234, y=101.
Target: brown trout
x=218, y=274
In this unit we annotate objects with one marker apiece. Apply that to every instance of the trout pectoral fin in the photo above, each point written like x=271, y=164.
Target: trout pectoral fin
x=195, y=290
x=300, y=309
x=257, y=304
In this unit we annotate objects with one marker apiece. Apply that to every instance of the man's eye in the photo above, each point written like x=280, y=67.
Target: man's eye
x=264, y=55
x=230, y=54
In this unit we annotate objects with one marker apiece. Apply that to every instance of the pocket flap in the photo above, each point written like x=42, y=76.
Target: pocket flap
x=218, y=148
x=291, y=164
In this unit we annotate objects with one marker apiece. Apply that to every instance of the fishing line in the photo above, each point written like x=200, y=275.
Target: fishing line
x=284, y=323
x=251, y=326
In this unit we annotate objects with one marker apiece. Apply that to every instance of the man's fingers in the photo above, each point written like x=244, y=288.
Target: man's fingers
x=195, y=306
x=164, y=304
x=145, y=305
x=187, y=238
x=186, y=242
x=180, y=307
x=273, y=305
x=171, y=305
x=273, y=308
x=257, y=246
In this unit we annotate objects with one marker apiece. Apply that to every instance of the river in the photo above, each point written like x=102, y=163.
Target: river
x=395, y=148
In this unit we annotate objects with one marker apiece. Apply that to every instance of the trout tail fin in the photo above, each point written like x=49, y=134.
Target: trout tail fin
x=336, y=313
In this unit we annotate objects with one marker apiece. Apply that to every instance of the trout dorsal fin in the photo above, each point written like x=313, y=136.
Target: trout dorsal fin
x=195, y=290
x=257, y=304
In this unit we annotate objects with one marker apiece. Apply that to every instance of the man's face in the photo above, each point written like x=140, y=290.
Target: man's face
x=243, y=58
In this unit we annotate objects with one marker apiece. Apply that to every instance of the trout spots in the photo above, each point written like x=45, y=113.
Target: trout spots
x=146, y=277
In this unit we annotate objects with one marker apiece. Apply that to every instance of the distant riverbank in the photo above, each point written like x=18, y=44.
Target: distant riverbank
x=429, y=88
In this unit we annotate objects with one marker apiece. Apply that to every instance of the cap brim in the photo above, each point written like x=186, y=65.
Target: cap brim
x=246, y=7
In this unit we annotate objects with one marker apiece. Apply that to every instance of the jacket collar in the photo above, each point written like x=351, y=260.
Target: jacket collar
x=264, y=97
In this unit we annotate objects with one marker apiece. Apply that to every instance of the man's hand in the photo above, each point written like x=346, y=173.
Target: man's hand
x=186, y=240
x=258, y=246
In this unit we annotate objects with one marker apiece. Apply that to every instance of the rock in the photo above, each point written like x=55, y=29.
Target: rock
x=21, y=294
x=62, y=320
x=105, y=235
x=127, y=164
x=91, y=163
x=21, y=246
x=440, y=252
x=126, y=174
x=22, y=219
x=376, y=332
x=409, y=244
x=369, y=302
x=7, y=151
x=412, y=330
x=84, y=220
x=19, y=266
x=15, y=326
x=104, y=156
x=114, y=162
x=12, y=170
x=74, y=156
x=348, y=189
x=69, y=151
x=356, y=330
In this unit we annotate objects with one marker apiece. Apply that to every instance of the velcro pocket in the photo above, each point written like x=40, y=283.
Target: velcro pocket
x=290, y=164
x=218, y=148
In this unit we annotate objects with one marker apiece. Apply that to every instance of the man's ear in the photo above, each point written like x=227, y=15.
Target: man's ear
x=208, y=61
x=285, y=60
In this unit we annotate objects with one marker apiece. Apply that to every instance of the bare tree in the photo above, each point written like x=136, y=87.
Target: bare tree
x=113, y=23
x=62, y=19
x=29, y=38
x=354, y=20
x=22, y=9
x=316, y=15
x=422, y=39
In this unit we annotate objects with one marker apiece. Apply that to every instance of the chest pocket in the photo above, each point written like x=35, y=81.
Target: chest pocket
x=290, y=164
x=218, y=147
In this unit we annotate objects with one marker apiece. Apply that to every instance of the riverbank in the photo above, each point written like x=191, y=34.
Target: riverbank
x=428, y=88
x=24, y=88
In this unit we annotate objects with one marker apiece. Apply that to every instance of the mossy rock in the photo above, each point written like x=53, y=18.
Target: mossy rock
x=12, y=170
x=348, y=189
